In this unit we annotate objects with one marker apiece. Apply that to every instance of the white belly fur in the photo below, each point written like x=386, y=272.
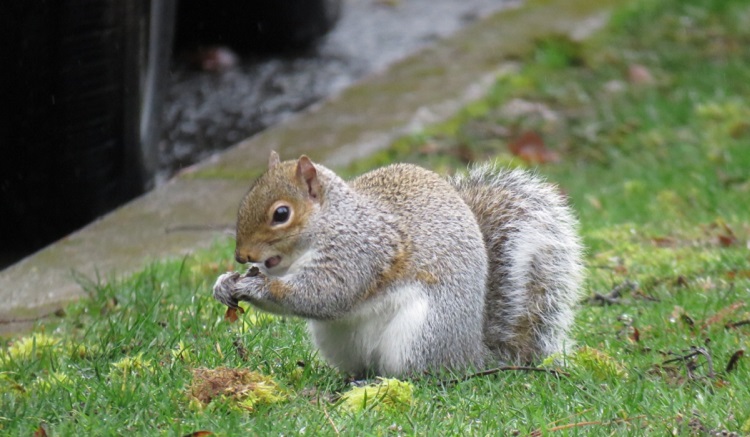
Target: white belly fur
x=377, y=336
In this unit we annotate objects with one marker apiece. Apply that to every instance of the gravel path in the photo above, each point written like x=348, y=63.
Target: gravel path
x=206, y=112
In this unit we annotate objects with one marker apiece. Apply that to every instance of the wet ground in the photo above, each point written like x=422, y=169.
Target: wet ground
x=209, y=111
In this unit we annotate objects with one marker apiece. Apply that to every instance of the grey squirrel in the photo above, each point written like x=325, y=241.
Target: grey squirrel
x=401, y=271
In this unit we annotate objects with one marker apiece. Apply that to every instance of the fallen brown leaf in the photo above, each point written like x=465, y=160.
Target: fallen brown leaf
x=621, y=269
x=727, y=240
x=742, y=274
x=213, y=59
x=640, y=75
x=732, y=364
x=636, y=335
x=664, y=241
x=724, y=234
x=530, y=147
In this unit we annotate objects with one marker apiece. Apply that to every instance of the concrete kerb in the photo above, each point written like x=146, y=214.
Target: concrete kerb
x=424, y=88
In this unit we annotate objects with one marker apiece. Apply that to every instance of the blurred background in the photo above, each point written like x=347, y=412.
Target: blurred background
x=109, y=98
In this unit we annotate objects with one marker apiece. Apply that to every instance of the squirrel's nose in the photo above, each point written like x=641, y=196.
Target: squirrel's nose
x=244, y=258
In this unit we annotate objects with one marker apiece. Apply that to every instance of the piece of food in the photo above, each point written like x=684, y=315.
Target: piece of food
x=252, y=271
x=231, y=314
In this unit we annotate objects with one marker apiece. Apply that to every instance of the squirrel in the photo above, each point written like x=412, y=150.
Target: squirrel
x=401, y=271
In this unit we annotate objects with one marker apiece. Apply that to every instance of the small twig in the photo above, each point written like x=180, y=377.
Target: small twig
x=710, y=362
x=641, y=295
x=411, y=422
x=333, y=425
x=495, y=370
x=721, y=314
x=681, y=358
x=737, y=324
x=613, y=297
x=695, y=352
x=604, y=299
x=555, y=422
x=538, y=432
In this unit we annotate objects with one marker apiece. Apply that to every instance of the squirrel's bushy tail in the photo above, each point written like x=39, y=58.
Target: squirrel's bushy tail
x=535, y=267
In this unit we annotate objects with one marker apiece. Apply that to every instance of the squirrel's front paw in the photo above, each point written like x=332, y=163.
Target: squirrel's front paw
x=224, y=289
x=249, y=287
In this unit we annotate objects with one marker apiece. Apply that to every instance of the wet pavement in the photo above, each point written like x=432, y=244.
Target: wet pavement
x=207, y=112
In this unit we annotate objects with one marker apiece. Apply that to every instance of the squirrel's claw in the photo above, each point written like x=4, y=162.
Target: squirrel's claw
x=224, y=289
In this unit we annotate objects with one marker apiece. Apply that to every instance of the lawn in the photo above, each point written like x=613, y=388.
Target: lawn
x=645, y=126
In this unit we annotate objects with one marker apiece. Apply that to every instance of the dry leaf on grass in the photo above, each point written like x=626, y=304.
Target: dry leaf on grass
x=734, y=359
x=640, y=74
x=530, y=147
x=40, y=432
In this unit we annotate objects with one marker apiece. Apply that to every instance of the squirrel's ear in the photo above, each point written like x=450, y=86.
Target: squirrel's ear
x=273, y=160
x=308, y=175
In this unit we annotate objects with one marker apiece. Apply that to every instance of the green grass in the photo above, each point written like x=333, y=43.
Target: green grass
x=659, y=173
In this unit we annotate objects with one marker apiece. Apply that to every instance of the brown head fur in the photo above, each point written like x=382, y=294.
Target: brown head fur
x=290, y=184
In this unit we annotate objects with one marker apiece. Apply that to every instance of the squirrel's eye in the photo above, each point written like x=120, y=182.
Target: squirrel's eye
x=281, y=215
